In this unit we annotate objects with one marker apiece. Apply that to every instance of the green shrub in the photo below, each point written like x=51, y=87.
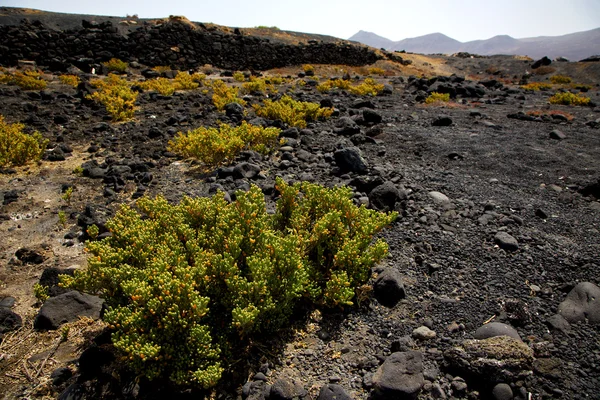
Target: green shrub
x=185, y=81
x=560, y=79
x=27, y=80
x=71, y=80
x=292, y=112
x=185, y=284
x=535, y=86
x=218, y=146
x=334, y=83
x=258, y=85
x=376, y=71
x=223, y=95
x=238, y=76
x=116, y=95
x=115, y=65
x=18, y=148
x=436, y=97
x=368, y=88
x=164, y=86
x=568, y=98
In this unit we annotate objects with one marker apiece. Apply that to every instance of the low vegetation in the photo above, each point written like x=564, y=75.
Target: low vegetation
x=292, y=112
x=18, y=148
x=223, y=95
x=436, y=98
x=187, y=284
x=116, y=95
x=560, y=79
x=368, y=88
x=569, y=99
x=26, y=80
x=535, y=86
x=166, y=87
x=215, y=147
x=71, y=80
x=116, y=65
x=550, y=113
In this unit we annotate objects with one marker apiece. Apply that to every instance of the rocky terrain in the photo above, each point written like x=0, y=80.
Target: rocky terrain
x=489, y=290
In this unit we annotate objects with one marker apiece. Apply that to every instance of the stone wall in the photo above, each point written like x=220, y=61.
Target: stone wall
x=173, y=43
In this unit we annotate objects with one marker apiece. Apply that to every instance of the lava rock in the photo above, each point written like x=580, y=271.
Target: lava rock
x=60, y=376
x=384, y=197
x=29, y=256
x=399, y=377
x=333, y=392
x=506, y=241
x=246, y=170
x=9, y=320
x=557, y=135
x=346, y=126
x=496, y=329
x=582, y=303
x=93, y=359
x=371, y=116
x=502, y=391
x=423, y=333
x=283, y=389
x=541, y=62
x=50, y=279
x=388, y=288
x=442, y=121
x=67, y=307
x=349, y=159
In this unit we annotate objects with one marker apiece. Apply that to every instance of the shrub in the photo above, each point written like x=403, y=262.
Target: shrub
x=115, y=65
x=71, y=80
x=223, y=95
x=560, y=79
x=258, y=85
x=568, y=98
x=436, y=97
x=535, y=86
x=185, y=81
x=116, y=95
x=334, y=83
x=544, y=70
x=549, y=114
x=368, y=87
x=162, y=68
x=164, y=86
x=27, y=80
x=218, y=146
x=376, y=71
x=186, y=283
x=18, y=148
x=292, y=112
x=238, y=76
x=308, y=69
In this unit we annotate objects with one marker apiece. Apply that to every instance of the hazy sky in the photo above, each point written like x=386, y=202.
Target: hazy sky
x=460, y=19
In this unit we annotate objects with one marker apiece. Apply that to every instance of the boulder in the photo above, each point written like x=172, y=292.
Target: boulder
x=399, y=377
x=67, y=307
x=582, y=303
x=333, y=392
x=384, y=197
x=494, y=329
x=349, y=159
x=388, y=288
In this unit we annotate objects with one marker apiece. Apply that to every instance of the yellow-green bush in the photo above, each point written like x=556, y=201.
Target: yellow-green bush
x=258, y=85
x=185, y=81
x=560, y=79
x=215, y=146
x=115, y=65
x=238, y=76
x=436, y=97
x=186, y=285
x=368, y=88
x=308, y=69
x=569, y=99
x=223, y=95
x=116, y=95
x=535, y=86
x=18, y=148
x=71, y=80
x=334, y=83
x=26, y=80
x=292, y=112
x=164, y=86
x=376, y=71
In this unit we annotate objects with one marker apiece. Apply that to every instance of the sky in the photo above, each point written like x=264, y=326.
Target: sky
x=462, y=20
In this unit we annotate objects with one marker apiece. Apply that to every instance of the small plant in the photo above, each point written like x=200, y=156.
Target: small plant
x=308, y=69
x=292, y=112
x=186, y=285
x=535, y=86
x=220, y=146
x=164, y=86
x=67, y=195
x=368, y=88
x=376, y=71
x=238, y=76
x=93, y=231
x=334, y=83
x=115, y=65
x=258, y=85
x=116, y=95
x=78, y=171
x=185, y=81
x=40, y=292
x=569, y=99
x=18, y=148
x=27, y=80
x=436, y=97
x=560, y=79
x=71, y=80
x=62, y=219
x=223, y=95
x=161, y=68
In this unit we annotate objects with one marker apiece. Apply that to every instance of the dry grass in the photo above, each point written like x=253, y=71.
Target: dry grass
x=550, y=113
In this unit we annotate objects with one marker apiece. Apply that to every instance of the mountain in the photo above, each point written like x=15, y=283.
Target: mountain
x=574, y=46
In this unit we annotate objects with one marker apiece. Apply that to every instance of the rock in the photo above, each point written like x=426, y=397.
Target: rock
x=256, y=390
x=333, y=392
x=459, y=385
x=582, y=303
x=60, y=376
x=423, y=333
x=283, y=389
x=67, y=307
x=75, y=391
x=506, y=241
x=399, y=377
x=384, y=197
x=442, y=121
x=591, y=59
x=541, y=62
x=502, y=391
x=439, y=198
x=10, y=197
x=494, y=360
x=93, y=359
x=388, y=288
x=349, y=159
x=29, y=256
x=246, y=170
x=496, y=329
x=9, y=320
x=558, y=322
x=346, y=126
x=290, y=133
x=234, y=109
x=50, y=279
x=371, y=116
x=557, y=135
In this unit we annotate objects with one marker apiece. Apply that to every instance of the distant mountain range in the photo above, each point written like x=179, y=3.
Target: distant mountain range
x=574, y=46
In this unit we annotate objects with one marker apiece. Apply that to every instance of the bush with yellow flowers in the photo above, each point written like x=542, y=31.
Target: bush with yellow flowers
x=333, y=84
x=17, y=147
x=116, y=95
x=219, y=146
x=292, y=112
x=71, y=80
x=186, y=283
x=26, y=80
x=368, y=88
x=223, y=95
x=115, y=65
x=569, y=99
x=436, y=97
